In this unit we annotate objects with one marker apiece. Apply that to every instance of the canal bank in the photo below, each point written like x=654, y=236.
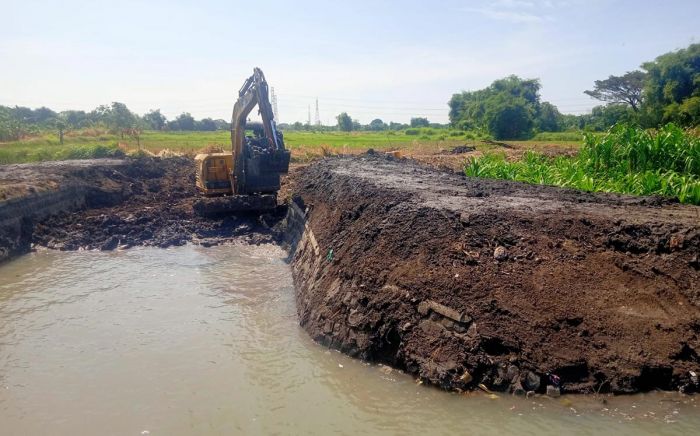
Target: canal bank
x=462, y=283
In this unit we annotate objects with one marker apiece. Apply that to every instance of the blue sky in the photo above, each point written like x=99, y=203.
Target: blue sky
x=391, y=60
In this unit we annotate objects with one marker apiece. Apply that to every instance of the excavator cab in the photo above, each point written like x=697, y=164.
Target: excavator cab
x=249, y=176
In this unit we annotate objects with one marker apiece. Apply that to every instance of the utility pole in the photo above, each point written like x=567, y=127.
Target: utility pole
x=317, y=121
x=309, y=119
x=274, y=104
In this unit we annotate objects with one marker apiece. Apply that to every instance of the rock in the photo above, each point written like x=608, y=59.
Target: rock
x=518, y=389
x=427, y=306
x=553, y=392
x=500, y=253
x=512, y=373
x=110, y=244
x=466, y=377
x=531, y=381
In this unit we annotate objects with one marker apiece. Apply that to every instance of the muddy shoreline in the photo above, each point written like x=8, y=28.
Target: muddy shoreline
x=460, y=282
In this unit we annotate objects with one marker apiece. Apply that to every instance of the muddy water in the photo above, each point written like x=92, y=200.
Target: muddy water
x=205, y=341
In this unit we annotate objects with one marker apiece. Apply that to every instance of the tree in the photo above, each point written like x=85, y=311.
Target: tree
x=420, y=122
x=549, y=119
x=185, y=121
x=344, y=122
x=672, y=88
x=507, y=109
x=60, y=124
x=377, y=125
x=508, y=118
x=626, y=89
x=155, y=120
x=75, y=119
x=121, y=118
x=206, y=124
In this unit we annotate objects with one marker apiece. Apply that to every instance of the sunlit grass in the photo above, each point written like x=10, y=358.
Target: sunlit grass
x=625, y=160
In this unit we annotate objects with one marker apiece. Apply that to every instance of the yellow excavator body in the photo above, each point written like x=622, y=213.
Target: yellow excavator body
x=213, y=172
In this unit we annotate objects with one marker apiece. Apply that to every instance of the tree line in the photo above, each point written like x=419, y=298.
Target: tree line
x=17, y=122
x=665, y=90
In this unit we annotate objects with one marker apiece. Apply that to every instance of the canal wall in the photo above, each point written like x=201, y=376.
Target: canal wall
x=18, y=215
x=468, y=283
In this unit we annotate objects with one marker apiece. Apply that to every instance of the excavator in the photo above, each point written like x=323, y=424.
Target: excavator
x=248, y=178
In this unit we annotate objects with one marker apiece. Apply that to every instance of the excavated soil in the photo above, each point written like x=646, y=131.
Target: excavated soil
x=142, y=202
x=514, y=287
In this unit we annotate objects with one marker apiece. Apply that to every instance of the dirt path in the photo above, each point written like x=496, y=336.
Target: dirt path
x=468, y=281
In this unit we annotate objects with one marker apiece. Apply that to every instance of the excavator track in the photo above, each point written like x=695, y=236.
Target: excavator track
x=216, y=206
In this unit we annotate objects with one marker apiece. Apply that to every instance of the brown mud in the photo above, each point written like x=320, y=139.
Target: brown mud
x=470, y=281
x=138, y=202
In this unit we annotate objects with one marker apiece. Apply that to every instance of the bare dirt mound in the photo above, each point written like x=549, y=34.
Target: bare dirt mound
x=467, y=281
x=145, y=201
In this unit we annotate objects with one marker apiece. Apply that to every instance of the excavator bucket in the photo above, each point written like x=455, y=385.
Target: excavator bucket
x=217, y=206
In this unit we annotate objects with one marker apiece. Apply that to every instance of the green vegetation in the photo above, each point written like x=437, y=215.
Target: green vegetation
x=305, y=145
x=672, y=88
x=35, y=153
x=508, y=109
x=627, y=159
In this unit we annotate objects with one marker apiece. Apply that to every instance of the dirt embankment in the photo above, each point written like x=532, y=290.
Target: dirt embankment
x=468, y=281
x=127, y=203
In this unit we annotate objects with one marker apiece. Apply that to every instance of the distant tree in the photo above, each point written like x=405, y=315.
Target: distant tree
x=75, y=119
x=672, y=88
x=60, y=124
x=626, y=89
x=397, y=126
x=508, y=118
x=223, y=125
x=420, y=122
x=206, y=124
x=356, y=125
x=507, y=108
x=549, y=119
x=120, y=118
x=185, y=121
x=345, y=123
x=155, y=120
x=377, y=125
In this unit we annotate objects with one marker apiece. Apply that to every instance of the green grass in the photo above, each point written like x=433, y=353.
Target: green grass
x=36, y=153
x=558, y=136
x=625, y=160
x=305, y=145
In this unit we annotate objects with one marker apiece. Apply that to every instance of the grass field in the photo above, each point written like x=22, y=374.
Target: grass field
x=305, y=146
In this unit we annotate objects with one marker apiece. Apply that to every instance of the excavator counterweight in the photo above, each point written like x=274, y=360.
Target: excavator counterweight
x=248, y=178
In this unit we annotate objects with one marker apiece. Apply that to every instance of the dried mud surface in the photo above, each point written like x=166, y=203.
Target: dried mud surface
x=144, y=202
x=516, y=287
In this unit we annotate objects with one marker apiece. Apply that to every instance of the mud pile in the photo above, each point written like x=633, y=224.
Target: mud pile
x=144, y=202
x=469, y=281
